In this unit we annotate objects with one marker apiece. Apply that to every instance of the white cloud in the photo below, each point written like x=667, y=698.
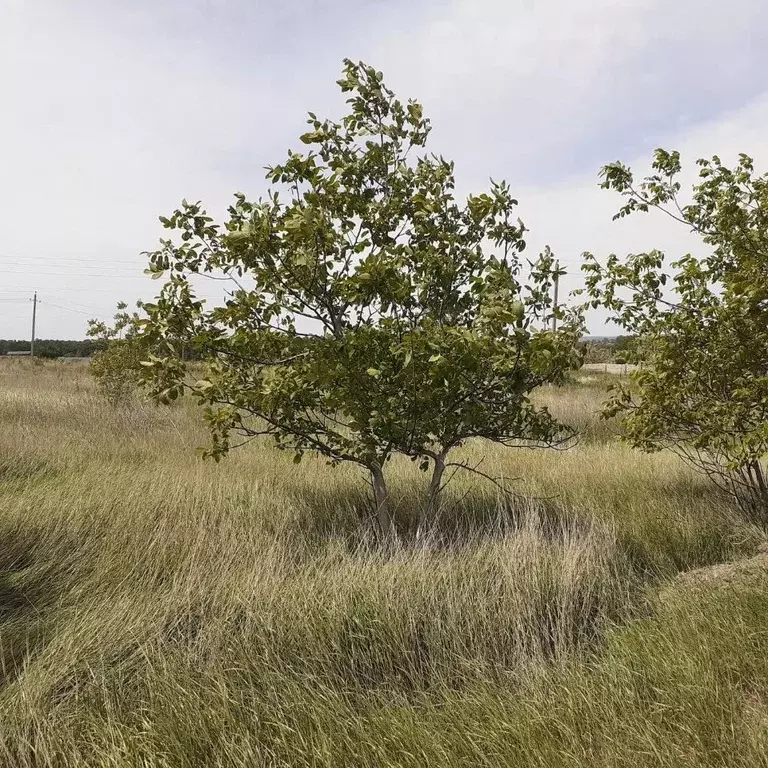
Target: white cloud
x=113, y=112
x=576, y=215
x=105, y=129
x=545, y=88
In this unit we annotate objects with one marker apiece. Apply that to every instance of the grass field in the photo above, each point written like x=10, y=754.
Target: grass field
x=157, y=610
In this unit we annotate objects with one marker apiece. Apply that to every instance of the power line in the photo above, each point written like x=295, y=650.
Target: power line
x=71, y=304
x=77, y=304
x=71, y=273
x=21, y=297
x=78, y=259
x=66, y=309
x=84, y=290
x=69, y=262
x=81, y=309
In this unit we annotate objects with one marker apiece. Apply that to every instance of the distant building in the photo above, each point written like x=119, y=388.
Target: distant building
x=18, y=354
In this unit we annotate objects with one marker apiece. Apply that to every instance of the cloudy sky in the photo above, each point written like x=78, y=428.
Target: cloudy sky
x=113, y=111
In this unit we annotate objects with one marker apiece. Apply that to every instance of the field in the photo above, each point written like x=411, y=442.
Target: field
x=158, y=610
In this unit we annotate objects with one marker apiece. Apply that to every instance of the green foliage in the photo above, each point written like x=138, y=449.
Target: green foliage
x=703, y=388
x=369, y=314
x=117, y=366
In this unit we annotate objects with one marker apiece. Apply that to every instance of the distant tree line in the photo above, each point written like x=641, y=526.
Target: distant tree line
x=606, y=350
x=52, y=348
x=618, y=349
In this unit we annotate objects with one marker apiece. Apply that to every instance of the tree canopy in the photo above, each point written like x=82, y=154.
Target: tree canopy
x=702, y=325
x=371, y=312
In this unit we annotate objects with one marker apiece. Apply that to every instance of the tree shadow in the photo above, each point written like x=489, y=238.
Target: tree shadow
x=346, y=513
x=26, y=589
x=23, y=471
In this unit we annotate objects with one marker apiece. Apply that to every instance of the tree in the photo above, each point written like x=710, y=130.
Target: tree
x=370, y=313
x=703, y=388
x=117, y=365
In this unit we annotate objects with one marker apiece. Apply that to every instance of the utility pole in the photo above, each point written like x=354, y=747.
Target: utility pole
x=556, y=282
x=34, y=314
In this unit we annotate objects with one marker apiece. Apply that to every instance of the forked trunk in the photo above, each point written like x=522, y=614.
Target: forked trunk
x=430, y=511
x=751, y=492
x=381, y=501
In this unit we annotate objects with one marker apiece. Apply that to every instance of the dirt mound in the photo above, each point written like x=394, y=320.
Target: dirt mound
x=747, y=571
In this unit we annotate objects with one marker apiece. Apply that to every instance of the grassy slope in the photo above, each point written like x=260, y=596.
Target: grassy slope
x=160, y=611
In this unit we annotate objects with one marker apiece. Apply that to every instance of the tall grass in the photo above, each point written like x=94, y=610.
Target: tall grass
x=156, y=610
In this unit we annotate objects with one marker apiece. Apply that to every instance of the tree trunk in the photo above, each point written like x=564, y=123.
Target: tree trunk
x=381, y=501
x=430, y=511
x=752, y=493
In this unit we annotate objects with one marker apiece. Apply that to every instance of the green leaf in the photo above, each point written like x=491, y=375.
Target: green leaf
x=312, y=137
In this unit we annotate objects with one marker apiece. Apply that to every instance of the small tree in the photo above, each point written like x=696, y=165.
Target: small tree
x=117, y=365
x=371, y=313
x=703, y=388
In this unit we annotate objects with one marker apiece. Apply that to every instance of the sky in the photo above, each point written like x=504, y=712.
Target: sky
x=112, y=112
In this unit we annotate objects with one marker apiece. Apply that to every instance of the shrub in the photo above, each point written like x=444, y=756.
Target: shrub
x=117, y=366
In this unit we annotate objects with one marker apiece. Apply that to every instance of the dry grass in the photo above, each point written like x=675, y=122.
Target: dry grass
x=156, y=610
